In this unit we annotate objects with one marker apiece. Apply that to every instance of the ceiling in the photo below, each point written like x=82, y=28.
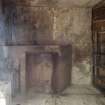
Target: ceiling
x=77, y=3
x=61, y=3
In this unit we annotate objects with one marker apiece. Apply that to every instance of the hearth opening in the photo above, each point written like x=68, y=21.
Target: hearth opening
x=46, y=72
x=39, y=71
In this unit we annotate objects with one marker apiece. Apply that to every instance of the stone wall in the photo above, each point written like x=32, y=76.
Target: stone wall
x=73, y=26
x=50, y=25
x=57, y=69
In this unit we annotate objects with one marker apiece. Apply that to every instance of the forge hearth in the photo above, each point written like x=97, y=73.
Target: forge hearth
x=42, y=68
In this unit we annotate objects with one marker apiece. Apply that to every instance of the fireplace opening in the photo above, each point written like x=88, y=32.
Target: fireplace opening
x=39, y=71
x=47, y=72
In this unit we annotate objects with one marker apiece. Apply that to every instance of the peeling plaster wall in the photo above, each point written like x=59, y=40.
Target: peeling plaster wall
x=31, y=24
x=73, y=26
x=70, y=26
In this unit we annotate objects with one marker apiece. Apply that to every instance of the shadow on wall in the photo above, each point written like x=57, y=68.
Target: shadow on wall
x=62, y=69
x=31, y=25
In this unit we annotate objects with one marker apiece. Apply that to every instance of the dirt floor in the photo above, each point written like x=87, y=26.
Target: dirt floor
x=74, y=95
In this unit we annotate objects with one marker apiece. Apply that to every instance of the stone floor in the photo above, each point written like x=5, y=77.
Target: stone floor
x=74, y=95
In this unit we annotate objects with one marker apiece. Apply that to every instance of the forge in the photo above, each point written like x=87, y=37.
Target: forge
x=42, y=68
